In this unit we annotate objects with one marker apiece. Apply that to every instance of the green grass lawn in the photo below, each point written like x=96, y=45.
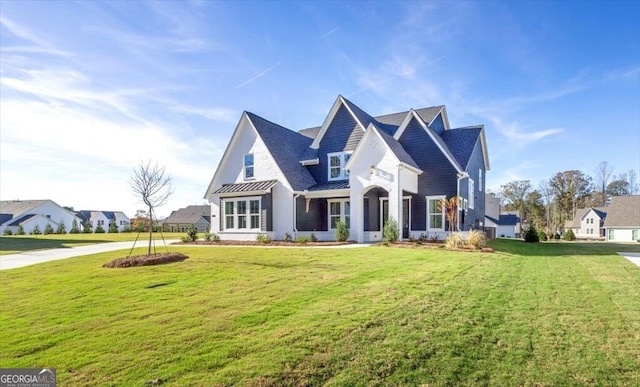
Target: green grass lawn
x=21, y=243
x=545, y=314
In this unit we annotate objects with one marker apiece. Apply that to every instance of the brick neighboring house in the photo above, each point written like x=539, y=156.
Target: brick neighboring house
x=180, y=220
x=623, y=219
x=354, y=168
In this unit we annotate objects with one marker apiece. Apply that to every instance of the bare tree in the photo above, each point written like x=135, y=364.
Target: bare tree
x=633, y=182
x=153, y=186
x=603, y=174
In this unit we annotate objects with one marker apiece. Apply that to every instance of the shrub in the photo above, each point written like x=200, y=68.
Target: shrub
x=74, y=228
x=48, y=230
x=264, y=238
x=127, y=228
x=7, y=231
x=113, y=227
x=62, y=229
x=531, y=235
x=99, y=229
x=390, y=231
x=313, y=238
x=86, y=228
x=542, y=235
x=341, y=232
x=211, y=237
x=20, y=230
x=192, y=233
x=569, y=235
x=476, y=239
x=36, y=230
x=453, y=241
x=302, y=239
x=287, y=237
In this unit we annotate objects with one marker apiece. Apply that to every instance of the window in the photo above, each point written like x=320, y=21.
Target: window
x=435, y=213
x=339, y=210
x=242, y=214
x=100, y=222
x=612, y=235
x=634, y=235
x=248, y=166
x=472, y=193
x=337, y=161
x=480, y=179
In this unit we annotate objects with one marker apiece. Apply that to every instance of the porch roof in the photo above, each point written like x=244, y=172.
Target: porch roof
x=253, y=187
x=342, y=184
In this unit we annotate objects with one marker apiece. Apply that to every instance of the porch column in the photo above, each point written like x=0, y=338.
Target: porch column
x=357, y=215
x=395, y=207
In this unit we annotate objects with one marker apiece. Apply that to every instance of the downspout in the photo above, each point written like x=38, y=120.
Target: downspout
x=460, y=176
x=295, y=213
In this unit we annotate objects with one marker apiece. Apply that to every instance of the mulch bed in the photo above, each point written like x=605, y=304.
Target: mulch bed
x=146, y=260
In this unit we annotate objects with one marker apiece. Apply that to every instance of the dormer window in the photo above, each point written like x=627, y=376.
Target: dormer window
x=248, y=166
x=337, y=161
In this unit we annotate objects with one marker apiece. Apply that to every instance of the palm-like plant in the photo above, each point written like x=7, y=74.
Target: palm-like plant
x=450, y=207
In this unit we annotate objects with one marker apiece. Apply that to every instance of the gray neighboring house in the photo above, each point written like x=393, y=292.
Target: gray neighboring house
x=104, y=219
x=182, y=219
x=623, y=219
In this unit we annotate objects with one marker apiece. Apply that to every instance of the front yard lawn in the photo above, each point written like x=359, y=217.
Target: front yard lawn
x=545, y=314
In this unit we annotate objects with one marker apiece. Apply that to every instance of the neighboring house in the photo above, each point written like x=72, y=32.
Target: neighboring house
x=623, y=219
x=104, y=219
x=506, y=225
x=182, y=219
x=588, y=223
x=355, y=168
x=32, y=213
x=500, y=224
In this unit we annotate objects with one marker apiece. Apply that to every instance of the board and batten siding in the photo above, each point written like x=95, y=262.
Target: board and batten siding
x=438, y=177
x=342, y=135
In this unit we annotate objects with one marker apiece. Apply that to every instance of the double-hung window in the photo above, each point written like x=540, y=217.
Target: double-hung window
x=471, y=193
x=242, y=214
x=435, y=213
x=248, y=166
x=337, y=162
x=339, y=210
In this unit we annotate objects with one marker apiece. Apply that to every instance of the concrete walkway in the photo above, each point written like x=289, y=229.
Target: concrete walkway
x=633, y=257
x=12, y=261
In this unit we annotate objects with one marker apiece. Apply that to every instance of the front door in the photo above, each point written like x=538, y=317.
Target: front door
x=406, y=219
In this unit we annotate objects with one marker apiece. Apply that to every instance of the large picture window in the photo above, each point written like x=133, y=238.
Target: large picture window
x=337, y=161
x=435, y=213
x=248, y=166
x=339, y=210
x=242, y=214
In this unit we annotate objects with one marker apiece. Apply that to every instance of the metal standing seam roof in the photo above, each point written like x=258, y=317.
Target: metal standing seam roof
x=342, y=184
x=246, y=187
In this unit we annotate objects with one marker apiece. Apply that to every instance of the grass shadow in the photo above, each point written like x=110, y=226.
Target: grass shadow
x=9, y=245
x=560, y=248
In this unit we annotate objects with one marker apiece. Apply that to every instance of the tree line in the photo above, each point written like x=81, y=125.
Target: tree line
x=556, y=199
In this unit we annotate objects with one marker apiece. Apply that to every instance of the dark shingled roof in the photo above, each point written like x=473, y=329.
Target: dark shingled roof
x=190, y=215
x=247, y=187
x=5, y=217
x=364, y=118
x=508, y=220
x=461, y=142
x=286, y=147
x=623, y=212
x=21, y=219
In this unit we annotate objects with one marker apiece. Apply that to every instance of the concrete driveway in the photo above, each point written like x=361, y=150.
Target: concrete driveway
x=633, y=257
x=12, y=261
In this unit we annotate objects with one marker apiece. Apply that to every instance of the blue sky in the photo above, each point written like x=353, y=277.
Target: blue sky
x=89, y=89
